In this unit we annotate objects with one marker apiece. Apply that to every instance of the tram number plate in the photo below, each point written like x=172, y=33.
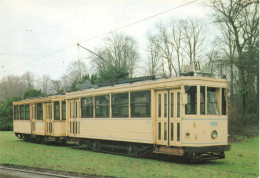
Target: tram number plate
x=213, y=123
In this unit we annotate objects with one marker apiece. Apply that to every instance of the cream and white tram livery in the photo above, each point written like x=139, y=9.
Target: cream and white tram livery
x=182, y=116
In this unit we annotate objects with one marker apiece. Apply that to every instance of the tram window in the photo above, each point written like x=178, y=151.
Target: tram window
x=27, y=112
x=56, y=110
x=159, y=105
x=172, y=131
x=120, y=105
x=172, y=104
x=16, y=112
x=178, y=104
x=165, y=130
x=22, y=112
x=102, y=106
x=39, y=111
x=224, y=102
x=202, y=100
x=76, y=111
x=159, y=131
x=178, y=131
x=49, y=111
x=212, y=101
x=141, y=104
x=63, y=110
x=87, y=107
x=191, y=106
x=165, y=104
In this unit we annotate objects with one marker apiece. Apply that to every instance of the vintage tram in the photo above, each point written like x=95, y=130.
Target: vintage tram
x=182, y=116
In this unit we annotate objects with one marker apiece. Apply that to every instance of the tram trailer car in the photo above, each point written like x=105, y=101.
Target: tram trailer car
x=183, y=116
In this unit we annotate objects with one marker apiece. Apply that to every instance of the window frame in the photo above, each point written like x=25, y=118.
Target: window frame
x=91, y=106
x=22, y=112
x=56, y=117
x=63, y=103
x=102, y=105
x=147, y=104
x=41, y=111
x=120, y=105
x=27, y=111
x=193, y=106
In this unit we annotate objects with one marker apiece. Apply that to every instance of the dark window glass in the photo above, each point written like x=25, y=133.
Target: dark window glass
x=178, y=104
x=202, y=100
x=87, y=107
x=39, y=111
x=141, y=104
x=224, y=102
x=159, y=105
x=27, y=112
x=102, y=106
x=63, y=110
x=165, y=130
x=172, y=131
x=56, y=110
x=165, y=104
x=120, y=105
x=191, y=106
x=159, y=131
x=16, y=112
x=70, y=111
x=172, y=104
x=76, y=111
x=212, y=101
x=178, y=131
x=22, y=116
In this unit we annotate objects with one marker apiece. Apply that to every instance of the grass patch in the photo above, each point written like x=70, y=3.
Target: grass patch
x=241, y=161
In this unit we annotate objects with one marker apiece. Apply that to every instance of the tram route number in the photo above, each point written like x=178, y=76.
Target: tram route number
x=213, y=123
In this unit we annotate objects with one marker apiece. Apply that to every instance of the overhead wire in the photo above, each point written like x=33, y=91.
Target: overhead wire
x=114, y=30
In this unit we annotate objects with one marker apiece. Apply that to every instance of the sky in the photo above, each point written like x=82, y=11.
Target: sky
x=40, y=36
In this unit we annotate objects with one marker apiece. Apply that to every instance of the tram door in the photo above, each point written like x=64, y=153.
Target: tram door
x=168, y=117
x=49, y=118
x=33, y=118
x=74, y=115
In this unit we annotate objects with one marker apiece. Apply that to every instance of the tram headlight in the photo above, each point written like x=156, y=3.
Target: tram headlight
x=214, y=134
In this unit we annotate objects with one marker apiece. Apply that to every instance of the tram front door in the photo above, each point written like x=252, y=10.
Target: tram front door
x=168, y=117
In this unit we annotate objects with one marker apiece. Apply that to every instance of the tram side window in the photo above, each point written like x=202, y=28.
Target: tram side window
x=87, y=107
x=27, y=112
x=120, y=105
x=141, y=104
x=224, y=101
x=16, y=112
x=56, y=110
x=63, y=110
x=39, y=111
x=191, y=106
x=22, y=112
x=202, y=100
x=212, y=101
x=102, y=106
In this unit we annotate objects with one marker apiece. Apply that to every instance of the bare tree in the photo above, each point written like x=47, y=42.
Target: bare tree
x=193, y=38
x=55, y=86
x=118, y=56
x=28, y=79
x=241, y=18
x=76, y=70
x=154, y=60
x=11, y=86
x=178, y=40
x=44, y=84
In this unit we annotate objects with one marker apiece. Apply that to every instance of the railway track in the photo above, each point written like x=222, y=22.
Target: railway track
x=25, y=172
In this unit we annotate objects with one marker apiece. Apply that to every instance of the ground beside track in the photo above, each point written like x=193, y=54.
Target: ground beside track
x=241, y=161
